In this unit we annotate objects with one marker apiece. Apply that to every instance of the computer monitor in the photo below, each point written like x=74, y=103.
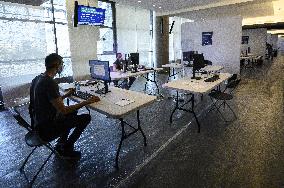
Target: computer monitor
x=100, y=70
x=134, y=58
x=188, y=56
x=198, y=63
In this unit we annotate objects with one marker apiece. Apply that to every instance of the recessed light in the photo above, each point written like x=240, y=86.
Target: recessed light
x=154, y=5
x=160, y=7
x=139, y=1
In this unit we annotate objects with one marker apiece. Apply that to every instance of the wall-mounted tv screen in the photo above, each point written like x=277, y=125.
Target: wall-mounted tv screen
x=86, y=15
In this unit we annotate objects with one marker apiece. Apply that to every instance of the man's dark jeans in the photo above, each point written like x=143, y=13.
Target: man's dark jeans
x=61, y=128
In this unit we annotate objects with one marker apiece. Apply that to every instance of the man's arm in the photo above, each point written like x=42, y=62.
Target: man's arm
x=69, y=93
x=60, y=107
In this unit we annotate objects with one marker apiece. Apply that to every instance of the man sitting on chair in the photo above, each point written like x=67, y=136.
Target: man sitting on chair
x=117, y=66
x=52, y=119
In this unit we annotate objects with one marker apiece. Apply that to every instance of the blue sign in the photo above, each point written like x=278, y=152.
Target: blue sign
x=207, y=38
x=90, y=15
x=245, y=39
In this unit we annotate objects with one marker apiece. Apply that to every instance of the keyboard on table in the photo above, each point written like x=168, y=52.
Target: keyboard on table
x=212, y=79
x=82, y=95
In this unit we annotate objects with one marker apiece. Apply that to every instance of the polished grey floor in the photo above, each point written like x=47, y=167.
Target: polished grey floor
x=249, y=152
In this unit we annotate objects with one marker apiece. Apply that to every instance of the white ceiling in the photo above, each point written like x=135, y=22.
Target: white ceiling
x=246, y=10
x=170, y=7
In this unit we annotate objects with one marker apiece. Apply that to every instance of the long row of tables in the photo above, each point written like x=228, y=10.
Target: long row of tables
x=119, y=103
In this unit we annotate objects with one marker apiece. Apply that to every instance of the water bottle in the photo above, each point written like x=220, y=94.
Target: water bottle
x=124, y=67
x=77, y=86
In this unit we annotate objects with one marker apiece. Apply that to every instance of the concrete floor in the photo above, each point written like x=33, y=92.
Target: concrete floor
x=248, y=152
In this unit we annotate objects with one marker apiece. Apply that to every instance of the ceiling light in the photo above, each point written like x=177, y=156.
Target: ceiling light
x=139, y=1
x=160, y=7
x=154, y=5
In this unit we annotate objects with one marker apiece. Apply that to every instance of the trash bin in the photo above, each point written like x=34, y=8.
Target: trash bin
x=1, y=100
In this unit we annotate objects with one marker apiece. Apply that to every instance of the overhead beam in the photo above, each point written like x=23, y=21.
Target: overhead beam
x=27, y=2
x=269, y=26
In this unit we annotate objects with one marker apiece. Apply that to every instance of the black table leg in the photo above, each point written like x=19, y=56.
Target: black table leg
x=140, y=129
x=177, y=107
x=169, y=74
x=124, y=135
x=155, y=81
x=192, y=109
x=120, y=143
x=146, y=83
x=151, y=80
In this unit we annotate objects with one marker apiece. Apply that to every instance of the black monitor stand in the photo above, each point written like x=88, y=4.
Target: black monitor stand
x=104, y=90
x=195, y=77
x=189, y=64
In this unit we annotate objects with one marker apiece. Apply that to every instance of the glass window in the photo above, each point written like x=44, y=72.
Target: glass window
x=134, y=33
x=108, y=13
x=25, y=41
x=106, y=43
x=63, y=43
x=106, y=36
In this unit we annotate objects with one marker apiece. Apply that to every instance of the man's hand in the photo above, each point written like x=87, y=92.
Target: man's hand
x=69, y=92
x=93, y=99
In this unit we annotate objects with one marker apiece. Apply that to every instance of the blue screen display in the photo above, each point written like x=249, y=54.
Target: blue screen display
x=100, y=70
x=90, y=15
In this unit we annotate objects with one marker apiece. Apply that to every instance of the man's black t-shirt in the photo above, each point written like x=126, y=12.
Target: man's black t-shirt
x=43, y=90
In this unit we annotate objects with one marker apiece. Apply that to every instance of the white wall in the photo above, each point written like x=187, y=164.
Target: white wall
x=83, y=42
x=257, y=41
x=225, y=49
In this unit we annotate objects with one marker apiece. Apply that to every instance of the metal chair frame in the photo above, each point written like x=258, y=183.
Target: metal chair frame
x=232, y=85
x=31, y=133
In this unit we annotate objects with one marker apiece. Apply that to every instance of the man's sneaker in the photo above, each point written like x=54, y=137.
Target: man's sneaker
x=71, y=155
x=68, y=154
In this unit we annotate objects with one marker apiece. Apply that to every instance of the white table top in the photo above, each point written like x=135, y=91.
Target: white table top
x=196, y=86
x=173, y=65
x=245, y=57
x=107, y=104
x=212, y=68
x=248, y=56
x=121, y=75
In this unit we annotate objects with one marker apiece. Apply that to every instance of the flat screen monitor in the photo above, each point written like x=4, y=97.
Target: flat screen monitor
x=134, y=58
x=198, y=61
x=187, y=56
x=86, y=15
x=100, y=70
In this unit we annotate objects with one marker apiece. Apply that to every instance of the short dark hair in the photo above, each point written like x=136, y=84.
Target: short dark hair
x=50, y=60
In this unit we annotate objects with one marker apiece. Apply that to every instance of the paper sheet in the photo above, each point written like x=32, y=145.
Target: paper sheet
x=124, y=102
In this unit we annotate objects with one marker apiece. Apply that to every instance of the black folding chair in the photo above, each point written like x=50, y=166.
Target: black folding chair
x=33, y=140
x=223, y=96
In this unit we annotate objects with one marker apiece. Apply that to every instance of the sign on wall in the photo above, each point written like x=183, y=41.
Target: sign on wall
x=245, y=39
x=207, y=38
